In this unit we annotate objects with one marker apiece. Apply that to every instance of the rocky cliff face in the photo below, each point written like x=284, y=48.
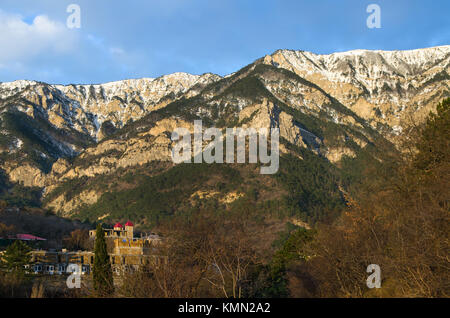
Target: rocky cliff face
x=86, y=108
x=387, y=88
x=41, y=122
x=334, y=106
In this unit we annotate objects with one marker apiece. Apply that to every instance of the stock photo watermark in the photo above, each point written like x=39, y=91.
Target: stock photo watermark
x=374, y=280
x=374, y=19
x=213, y=152
x=74, y=279
x=74, y=19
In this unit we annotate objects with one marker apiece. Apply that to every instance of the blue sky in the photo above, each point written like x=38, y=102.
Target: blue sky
x=136, y=38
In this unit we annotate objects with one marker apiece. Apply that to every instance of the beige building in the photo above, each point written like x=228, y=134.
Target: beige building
x=129, y=253
x=118, y=231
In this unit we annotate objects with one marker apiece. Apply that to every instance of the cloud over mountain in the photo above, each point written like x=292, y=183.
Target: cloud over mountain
x=22, y=41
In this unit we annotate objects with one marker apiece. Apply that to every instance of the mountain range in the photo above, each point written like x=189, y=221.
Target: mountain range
x=102, y=151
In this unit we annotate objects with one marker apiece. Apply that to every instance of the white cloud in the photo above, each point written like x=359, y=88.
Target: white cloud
x=45, y=49
x=116, y=51
x=21, y=42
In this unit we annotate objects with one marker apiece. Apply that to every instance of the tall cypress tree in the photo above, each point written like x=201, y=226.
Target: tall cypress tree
x=102, y=273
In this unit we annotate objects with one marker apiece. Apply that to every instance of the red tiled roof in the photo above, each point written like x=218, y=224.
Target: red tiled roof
x=29, y=237
x=129, y=224
x=118, y=225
